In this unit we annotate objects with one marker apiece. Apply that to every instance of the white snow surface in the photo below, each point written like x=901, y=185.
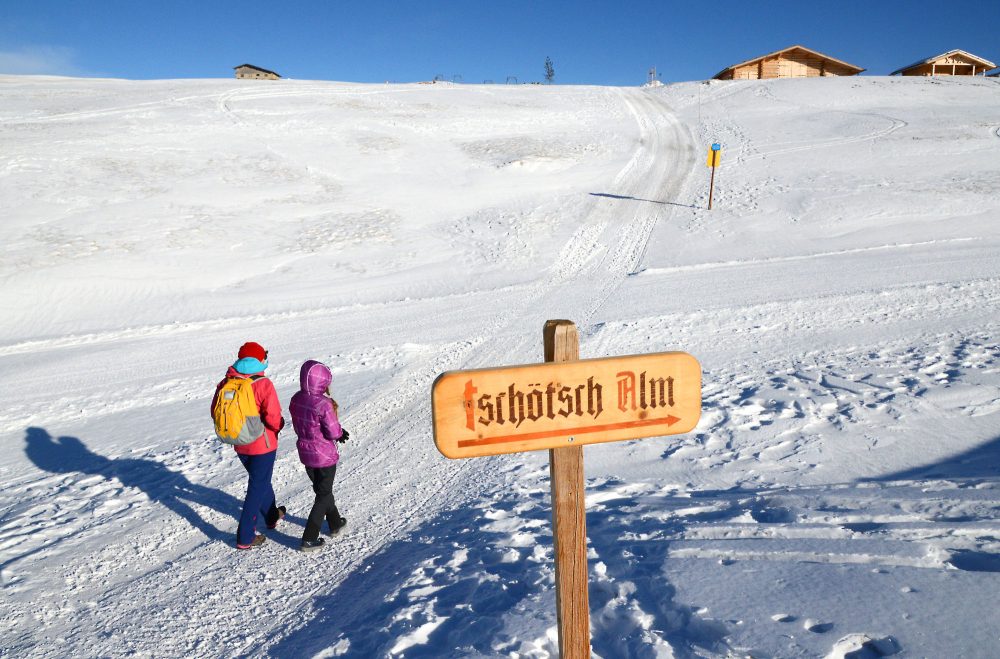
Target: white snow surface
x=840, y=496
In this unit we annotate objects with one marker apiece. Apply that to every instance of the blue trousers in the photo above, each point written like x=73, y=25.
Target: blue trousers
x=259, y=503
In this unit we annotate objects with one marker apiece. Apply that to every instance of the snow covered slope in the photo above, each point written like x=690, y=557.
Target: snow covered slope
x=840, y=491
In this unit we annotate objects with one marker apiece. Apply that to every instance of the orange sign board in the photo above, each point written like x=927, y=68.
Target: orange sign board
x=714, y=158
x=558, y=404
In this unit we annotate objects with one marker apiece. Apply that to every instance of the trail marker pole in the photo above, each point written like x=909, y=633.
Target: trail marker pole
x=569, y=521
x=714, y=159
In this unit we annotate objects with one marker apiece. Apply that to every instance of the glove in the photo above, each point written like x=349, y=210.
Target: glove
x=344, y=435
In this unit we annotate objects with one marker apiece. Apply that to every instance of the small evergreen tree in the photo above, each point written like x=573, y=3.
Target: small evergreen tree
x=550, y=72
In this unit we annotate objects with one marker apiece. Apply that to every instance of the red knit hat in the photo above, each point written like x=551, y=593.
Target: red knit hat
x=254, y=350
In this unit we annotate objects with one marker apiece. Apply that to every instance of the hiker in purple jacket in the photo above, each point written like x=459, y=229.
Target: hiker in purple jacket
x=314, y=417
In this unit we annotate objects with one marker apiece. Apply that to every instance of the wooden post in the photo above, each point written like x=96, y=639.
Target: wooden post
x=569, y=523
x=711, y=185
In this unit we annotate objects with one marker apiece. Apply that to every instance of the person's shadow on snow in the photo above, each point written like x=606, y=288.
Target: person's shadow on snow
x=162, y=485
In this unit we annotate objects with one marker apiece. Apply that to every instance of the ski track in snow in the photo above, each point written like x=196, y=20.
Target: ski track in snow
x=645, y=272
x=222, y=100
x=108, y=112
x=746, y=150
x=764, y=152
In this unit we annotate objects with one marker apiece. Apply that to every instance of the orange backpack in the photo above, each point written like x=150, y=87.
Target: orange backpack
x=237, y=418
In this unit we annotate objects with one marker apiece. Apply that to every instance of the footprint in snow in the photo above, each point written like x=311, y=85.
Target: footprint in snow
x=975, y=561
x=816, y=626
x=864, y=646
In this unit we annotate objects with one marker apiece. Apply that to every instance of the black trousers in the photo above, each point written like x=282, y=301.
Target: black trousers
x=324, y=505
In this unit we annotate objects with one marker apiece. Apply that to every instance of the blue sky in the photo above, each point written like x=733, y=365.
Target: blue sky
x=589, y=41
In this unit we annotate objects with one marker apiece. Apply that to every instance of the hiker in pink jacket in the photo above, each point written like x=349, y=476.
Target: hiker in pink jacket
x=258, y=456
x=314, y=417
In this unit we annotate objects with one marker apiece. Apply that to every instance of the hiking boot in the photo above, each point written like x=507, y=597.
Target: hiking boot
x=334, y=530
x=312, y=545
x=257, y=541
x=281, y=516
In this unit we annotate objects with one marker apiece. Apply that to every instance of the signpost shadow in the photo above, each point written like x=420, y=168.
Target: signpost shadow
x=651, y=201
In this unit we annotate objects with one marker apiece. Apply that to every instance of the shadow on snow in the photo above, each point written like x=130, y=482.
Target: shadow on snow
x=67, y=455
x=981, y=462
x=467, y=579
x=627, y=198
x=974, y=466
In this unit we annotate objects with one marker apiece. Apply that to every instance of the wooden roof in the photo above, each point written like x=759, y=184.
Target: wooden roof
x=857, y=69
x=256, y=68
x=986, y=64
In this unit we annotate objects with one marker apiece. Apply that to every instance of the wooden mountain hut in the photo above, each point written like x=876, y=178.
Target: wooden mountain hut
x=791, y=62
x=953, y=63
x=251, y=72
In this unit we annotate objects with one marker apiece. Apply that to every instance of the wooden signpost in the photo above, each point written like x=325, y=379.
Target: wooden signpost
x=560, y=406
x=714, y=160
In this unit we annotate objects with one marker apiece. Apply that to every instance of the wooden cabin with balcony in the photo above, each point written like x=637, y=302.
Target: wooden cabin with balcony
x=791, y=62
x=953, y=63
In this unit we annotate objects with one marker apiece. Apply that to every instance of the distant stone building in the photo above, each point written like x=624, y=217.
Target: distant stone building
x=251, y=72
x=791, y=62
x=953, y=63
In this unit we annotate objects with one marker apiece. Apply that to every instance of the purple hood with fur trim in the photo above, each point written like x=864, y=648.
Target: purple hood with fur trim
x=313, y=417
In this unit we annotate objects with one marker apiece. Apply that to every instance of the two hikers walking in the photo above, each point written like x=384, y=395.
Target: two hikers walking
x=247, y=415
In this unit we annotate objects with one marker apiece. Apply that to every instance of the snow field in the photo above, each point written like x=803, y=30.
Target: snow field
x=838, y=497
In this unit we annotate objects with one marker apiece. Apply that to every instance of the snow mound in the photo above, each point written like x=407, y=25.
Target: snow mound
x=864, y=646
